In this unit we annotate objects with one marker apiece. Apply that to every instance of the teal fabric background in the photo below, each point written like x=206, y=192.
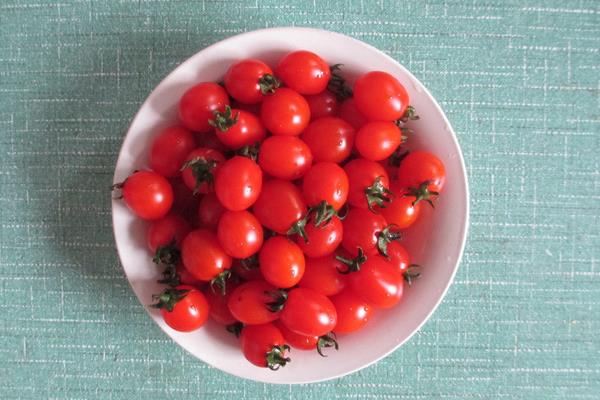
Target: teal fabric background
x=519, y=81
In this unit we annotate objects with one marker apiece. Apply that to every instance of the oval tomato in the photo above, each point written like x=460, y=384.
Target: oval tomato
x=281, y=262
x=237, y=128
x=378, y=140
x=304, y=71
x=398, y=256
x=401, y=211
x=240, y=234
x=200, y=167
x=351, y=115
x=169, y=150
x=352, y=311
x=280, y=206
x=183, y=308
x=325, y=181
x=322, y=275
x=284, y=157
x=148, y=194
x=171, y=229
x=323, y=104
x=361, y=230
x=323, y=239
x=285, y=112
x=198, y=103
x=329, y=139
x=420, y=167
x=378, y=282
x=249, y=303
x=264, y=346
x=308, y=312
x=210, y=210
x=249, y=80
x=380, y=97
x=297, y=341
x=203, y=256
x=219, y=311
x=368, y=184
x=238, y=183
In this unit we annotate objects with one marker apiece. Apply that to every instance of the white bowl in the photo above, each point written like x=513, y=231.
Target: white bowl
x=436, y=241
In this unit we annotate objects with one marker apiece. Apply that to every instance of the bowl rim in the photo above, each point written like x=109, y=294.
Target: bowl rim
x=450, y=130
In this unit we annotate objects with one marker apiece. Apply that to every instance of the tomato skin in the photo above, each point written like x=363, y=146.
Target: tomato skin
x=210, y=210
x=204, y=154
x=378, y=140
x=399, y=257
x=189, y=313
x=380, y=97
x=284, y=157
x=326, y=181
x=322, y=240
x=186, y=278
x=162, y=232
x=210, y=141
x=420, y=166
x=240, y=234
x=352, y=311
x=361, y=229
x=378, y=282
x=242, y=80
x=304, y=71
x=258, y=340
x=203, y=256
x=285, y=112
x=351, y=115
x=184, y=200
x=329, y=139
x=308, y=312
x=246, y=131
x=322, y=275
x=219, y=311
x=248, y=303
x=323, y=104
x=147, y=194
x=400, y=211
x=198, y=103
x=246, y=274
x=169, y=150
x=297, y=341
x=279, y=205
x=362, y=174
x=238, y=183
x=281, y=262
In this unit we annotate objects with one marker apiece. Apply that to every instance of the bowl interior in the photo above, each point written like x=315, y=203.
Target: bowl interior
x=437, y=250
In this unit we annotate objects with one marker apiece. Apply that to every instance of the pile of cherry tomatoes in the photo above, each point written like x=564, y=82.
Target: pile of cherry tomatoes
x=277, y=204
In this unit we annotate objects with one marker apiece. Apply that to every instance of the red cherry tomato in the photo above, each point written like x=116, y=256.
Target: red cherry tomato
x=238, y=183
x=322, y=275
x=401, y=211
x=169, y=150
x=240, y=234
x=352, y=311
x=248, y=303
x=369, y=183
x=219, y=311
x=378, y=140
x=279, y=206
x=329, y=139
x=380, y=97
x=308, y=312
x=210, y=210
x=419, y=167
x=284, y=157
x=285, y=112
x=325, y=181
x=147, y=194
x=297, y=341
x=184, y=308
x=264, y=346
x=203, y=256
x=378, y=282
x=281, y=262
x=201, y=166
x=323, y=104
x=399, y=257
x=184, y=200
x=245, y=81
x=361, y=229
x=303, y=71
x=321, y=240
x=167, y=230
x=351, y=115
x=238, y=128
x=198, y=103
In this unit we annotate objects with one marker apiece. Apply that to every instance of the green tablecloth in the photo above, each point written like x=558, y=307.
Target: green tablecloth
x=519, y=80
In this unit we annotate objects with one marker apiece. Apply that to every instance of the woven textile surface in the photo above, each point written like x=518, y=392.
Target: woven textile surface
x=520, y=82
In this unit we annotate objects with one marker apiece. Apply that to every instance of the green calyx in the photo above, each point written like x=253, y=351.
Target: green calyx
x=168, y=298
x=377, y=194
x=409, y=115
x=167, y=254
x=353, y=264
x=235, y=328
x=201, y=170
x=412, y=273
x=250, y=151
x=326, y=341
x=322, y=212
x=279, y=297
x=276, y=358
x=249, y=263
x=337, y=84
x=268, y=83
x=299, y=228
x=224, y=120
x=397, y=157
x=170, y=276
x=220, y=282
x=422, y=193
x=387, y=236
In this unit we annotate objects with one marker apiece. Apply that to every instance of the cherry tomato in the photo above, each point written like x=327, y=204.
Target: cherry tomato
x=380, y=97
x=399, y=257
x=248, y=303
x=248, y=80
x=210, y=210
x=219, y=311
x=238, y=183
x=281, y=262
x=323, y=239
x=240, y=233
x=419, y=167
x=303, y=71
x=322, y=275
x=378, y=140
x=210, y=141
x=169, y=150
x=203, y=256
x=401, y=211
x=369, y=183
x=297, y=341
x=170, y=229
x=184, y=200
x=329, y=139
x=325, y=181
x=284, y=157
x=351, y=115
x=147, y=194
x=308, y=312
x=280, y=206
x=198, y=103
x=352, y=311
x=183, y=308
x=323, y=104
x=378, y=282
x=264, y=346
x=361, y=230
x=201, y=165
x=285, y=112
x=238, y=128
